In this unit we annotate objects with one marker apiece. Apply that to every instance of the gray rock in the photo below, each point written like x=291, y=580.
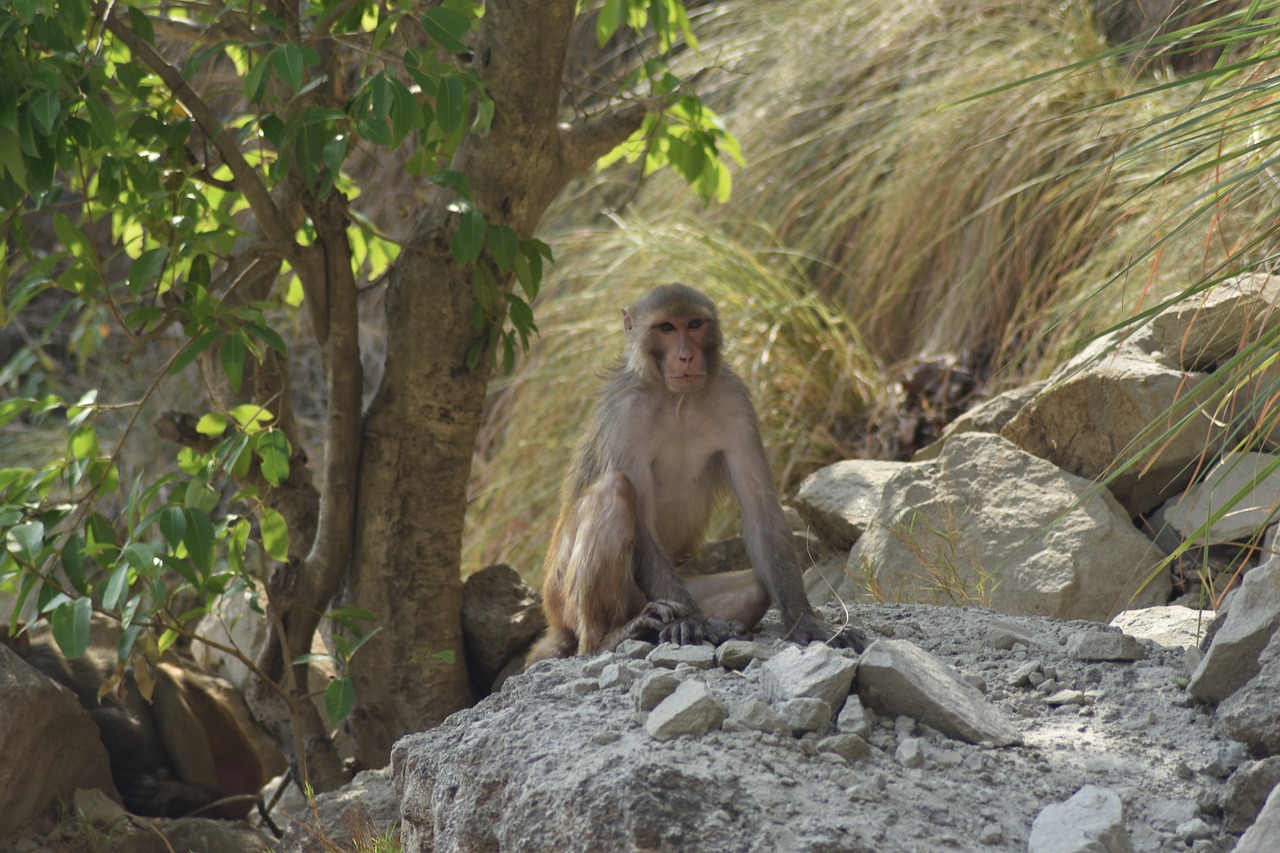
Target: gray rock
x=1105, y=400
x=840, y=500
x=655, y=687
x=848, y=747
x=690, y=710
x=1104, y=646
x=1247, y=791
x=633, y=649
x=988, y=416
x=910, y=753
x=49, y=744
x=898, y=678
x=990, y=524
x=1207, y=328
x=817, y=672
x=501, y=617
x=1091, y=821
x=669, y=655
x=1169, y=625
x=1249, y=482
x=1251, y=714
x=1232, y=658
x=759, y=716
x=805, y=714
x=737, y=654
x=853, y=718
x=1261, y=837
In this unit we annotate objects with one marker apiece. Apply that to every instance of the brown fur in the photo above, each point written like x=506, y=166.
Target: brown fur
x=672, y=431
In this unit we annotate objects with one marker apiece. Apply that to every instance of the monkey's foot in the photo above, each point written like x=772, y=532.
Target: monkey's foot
x=809, y=630
x=701, y=629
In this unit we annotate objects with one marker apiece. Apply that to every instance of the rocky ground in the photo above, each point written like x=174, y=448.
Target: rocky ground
x=563, y=758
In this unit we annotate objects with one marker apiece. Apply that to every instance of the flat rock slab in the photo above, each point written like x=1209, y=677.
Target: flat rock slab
x=1092, y=821
x=899, y=678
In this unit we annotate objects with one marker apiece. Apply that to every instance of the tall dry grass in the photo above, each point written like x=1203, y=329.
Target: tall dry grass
x=888, y=211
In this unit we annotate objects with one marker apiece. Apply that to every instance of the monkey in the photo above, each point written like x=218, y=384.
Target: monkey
x=183, y=752
x=672, y=430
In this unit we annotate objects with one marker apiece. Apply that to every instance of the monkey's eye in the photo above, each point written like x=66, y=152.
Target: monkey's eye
x=695, y=324
x=666, y=327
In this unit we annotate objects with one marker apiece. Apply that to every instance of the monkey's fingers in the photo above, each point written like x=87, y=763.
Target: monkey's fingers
x=849, y=637
x=664, y=611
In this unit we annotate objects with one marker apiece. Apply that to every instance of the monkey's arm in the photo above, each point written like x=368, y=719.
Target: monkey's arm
x=770, y=544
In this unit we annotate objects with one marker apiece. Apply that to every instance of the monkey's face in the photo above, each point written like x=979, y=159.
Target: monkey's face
x=685, y=350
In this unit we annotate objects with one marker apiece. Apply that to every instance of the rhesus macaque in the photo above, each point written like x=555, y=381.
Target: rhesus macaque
x=180, y=753
x=672, y=430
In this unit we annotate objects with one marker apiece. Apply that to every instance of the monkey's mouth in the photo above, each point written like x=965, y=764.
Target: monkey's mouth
x=686, y=381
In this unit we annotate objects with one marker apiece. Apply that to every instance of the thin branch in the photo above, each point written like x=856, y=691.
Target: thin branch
x=247, y=180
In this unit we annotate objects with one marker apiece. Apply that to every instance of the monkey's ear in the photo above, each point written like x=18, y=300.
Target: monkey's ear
x=626, y=320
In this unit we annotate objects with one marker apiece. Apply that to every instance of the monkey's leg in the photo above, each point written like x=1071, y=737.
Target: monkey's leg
x=602, y=595
x=733, y=596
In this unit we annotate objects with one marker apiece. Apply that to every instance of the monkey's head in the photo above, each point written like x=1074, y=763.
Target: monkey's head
x=673, y=338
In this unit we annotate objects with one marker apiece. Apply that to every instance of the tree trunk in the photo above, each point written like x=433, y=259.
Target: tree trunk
x=420, y=431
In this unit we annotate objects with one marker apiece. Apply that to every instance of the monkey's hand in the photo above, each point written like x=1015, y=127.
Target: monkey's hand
x=693, y=630
x=808, y=629
x=658, y=615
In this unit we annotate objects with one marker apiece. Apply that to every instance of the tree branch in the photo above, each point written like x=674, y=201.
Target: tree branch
x=247, y=180
x=587, y=140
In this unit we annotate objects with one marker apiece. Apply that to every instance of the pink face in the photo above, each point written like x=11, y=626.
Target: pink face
x=681, y=345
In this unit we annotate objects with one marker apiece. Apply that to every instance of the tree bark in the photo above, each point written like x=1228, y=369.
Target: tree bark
x=420, y=430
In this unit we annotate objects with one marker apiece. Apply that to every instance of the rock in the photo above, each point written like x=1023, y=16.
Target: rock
x=990, y=524
x=989, y=416
x=1251, y=714
x=910, y=752
x=501, y=617
x=1169, y=625
x=759, y=716
x=690, y=710
x=332, y=819
x=848, y=747
x=805, y=714
x=898, y=678
x=1104, y=646
x=232, y=622
x=670, y=656
x=1248, y=482
x=1261, y=837
x=1232, y=658
x=50, y=745
x=1209, y=327
x=655, y=687
x=854, y=719
x=1103, y=402
x=840, y=500
x=737, y=654
x=634, y=649
x=1092, y=821
x=816, y=672
x=1247, y=791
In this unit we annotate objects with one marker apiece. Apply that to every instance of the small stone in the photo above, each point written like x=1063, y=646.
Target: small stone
x=805, y=714
x=1025, y=672
x=1104, y=646
x=910, y=753
x=633, y=649
x=655, y=687
x=1066, y=697
x=670, y=656
x=607, y=737
x=738, y=654
x=580, y=687
x=992, y=833
x=1194, y=830
x=615, y=675
x=758, y=716
x=848, y=747
x=854, y=719
x=596, y=665
x=690, y=710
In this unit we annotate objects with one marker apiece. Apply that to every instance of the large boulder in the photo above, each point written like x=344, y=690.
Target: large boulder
x=840, y=500
x=1237, y=500
x=1111, y=405
x=49, y=744
x=1252, y=619
x=501, y=617
x=990, y=524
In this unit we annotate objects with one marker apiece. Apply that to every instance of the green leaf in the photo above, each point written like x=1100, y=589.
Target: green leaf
x=232, y=355
x=199, y=539
x=272, y=446
x=290, y=65
x=101, y=121
x=145, y=269
x=70, y=623
x=451, y=105
x=117, y=587
x=27, y=540
x=608, y=19
x=339, y=699
x=73, y=562
x=275, y=535
x=192, y=350
x=503, y=247
x=468, y=241
x=173, y=525
x=141, y=558
x=212, y=424
x=84, y=443
x=447, y=28
x=268, y=336
x=45, y=108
